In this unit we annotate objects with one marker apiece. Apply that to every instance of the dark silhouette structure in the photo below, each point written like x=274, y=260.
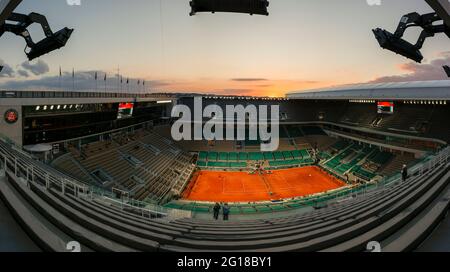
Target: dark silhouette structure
x=447, y=70
x=251, y=7
x=18, y=24
x=395, y=42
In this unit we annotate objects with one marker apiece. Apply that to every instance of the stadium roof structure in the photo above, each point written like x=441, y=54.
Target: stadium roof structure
x=424, y=90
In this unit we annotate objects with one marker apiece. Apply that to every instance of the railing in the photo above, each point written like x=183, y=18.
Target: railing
x=81, y=94
x=20, y=164
x=427, y=164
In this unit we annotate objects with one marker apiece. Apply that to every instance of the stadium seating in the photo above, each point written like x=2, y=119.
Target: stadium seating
x=408, y=119
x=241, y=160
x=364, y=162
x=397, y=216
x=295, y=131
x=147, y=166
x=341, y=159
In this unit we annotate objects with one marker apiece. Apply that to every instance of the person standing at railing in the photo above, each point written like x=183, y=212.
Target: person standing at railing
x=216, y=210
x=404, y=173
x=226, y=212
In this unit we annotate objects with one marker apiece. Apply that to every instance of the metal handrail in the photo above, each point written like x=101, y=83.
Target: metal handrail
x=22, y=162
x=18, y=163
x=79, y=94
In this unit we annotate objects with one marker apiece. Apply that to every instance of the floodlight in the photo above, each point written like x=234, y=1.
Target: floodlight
x=49, y=44
x=397, y=45
x=235, y=6
x=447, y=70
x=395, y=42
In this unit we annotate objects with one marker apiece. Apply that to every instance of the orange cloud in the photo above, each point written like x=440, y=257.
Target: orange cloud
x=417, y=72
x=242, y=86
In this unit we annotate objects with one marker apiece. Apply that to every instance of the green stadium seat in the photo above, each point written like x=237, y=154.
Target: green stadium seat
x=218, y=164
x=233, y=156
x=201, y=209
x=235, y=210
x=213, y=156
x=278, y=207
x=243, y=156
x=173, y=205
x=325, y=155
x=294, y=205
x=308, y=161
x=189, y=206
x=255, y=156
x=296, y=154
x=203, y=156
x=238, y=164
x=305, y=153
x=223, y=156
x=273, y=163
x=248, y=210
x=364, y=174
x=263, y=209
x=268, y=156
x=278, y=155
x=201, y=163
x=252, y=142
x=287, y=155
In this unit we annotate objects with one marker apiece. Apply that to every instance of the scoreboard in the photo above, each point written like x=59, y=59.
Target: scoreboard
x=385, y=107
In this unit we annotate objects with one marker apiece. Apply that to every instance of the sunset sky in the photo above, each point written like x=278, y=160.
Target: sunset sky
x=303, y=44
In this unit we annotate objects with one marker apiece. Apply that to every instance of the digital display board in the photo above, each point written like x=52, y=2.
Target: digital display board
x=386, y=107
x=125, y=110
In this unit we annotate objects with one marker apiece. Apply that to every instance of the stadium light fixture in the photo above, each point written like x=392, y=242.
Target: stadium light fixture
x=251, y=7
x=447, y=70
x=51, y=42
x=164, y=102
x=395, y=42
x=397, y=45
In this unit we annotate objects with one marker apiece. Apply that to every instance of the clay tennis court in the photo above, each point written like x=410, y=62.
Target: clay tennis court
x=244, y=187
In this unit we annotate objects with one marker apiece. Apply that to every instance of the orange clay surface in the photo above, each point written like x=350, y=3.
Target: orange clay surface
x=244, y=187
